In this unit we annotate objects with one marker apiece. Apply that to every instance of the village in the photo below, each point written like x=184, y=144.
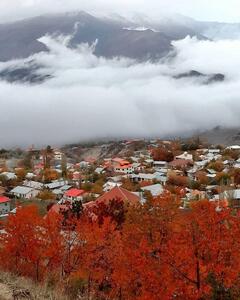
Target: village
x=54, y=179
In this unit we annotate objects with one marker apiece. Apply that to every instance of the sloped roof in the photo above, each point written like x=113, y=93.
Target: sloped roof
x=155, y=189
x=180, y=163
x=118, y=193
x=4, y=199
x=23, y=190
x=74, y=193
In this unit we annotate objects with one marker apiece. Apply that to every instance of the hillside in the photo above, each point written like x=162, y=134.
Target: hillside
x=222, y=136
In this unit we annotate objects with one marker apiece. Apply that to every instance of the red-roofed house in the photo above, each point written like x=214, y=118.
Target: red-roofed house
x=122, y=166
x=74, y=194
x=4, y=205
x=117, y=193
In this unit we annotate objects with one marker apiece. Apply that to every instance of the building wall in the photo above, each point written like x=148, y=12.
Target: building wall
x=4, y=208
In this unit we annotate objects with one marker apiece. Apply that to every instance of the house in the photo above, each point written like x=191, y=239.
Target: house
x=24, y=192
x=155, y=189
x=74, y=195
x=117, y=178
x=110, y=185
x=142, y=177
x=214, y=151
x=185, y=156
x=58, y=155
x=117, y=193
x=121, y=166
x=137, y=167
x=55, y=184
x=9, y=175
x=33, y=184
x=60, y=191
x=233, y=196
x=4, y=205
x=30, y=176
x=180, y=163
x=99, y=170
x=234, y=147
x=159, y=164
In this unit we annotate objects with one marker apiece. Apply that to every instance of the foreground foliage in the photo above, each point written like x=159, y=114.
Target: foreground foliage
x=150, y=251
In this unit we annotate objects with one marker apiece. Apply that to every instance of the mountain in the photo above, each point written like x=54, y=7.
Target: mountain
x=138, y=38
x=206, y=78
x=221, y=136
x=116, y=36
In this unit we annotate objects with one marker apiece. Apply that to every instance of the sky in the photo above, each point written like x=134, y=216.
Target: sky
x=214, y=10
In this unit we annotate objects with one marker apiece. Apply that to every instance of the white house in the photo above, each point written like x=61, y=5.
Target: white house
x=55, y=184
x=185, y=156
x=155, y=189
x=234, y=147
x=9, y=175
x=159, y=164
x=33, y=184
x=214, y=151
x=24, y=192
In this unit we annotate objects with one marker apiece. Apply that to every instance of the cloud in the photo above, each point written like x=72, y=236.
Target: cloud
x=218, y=10
x=91, y=97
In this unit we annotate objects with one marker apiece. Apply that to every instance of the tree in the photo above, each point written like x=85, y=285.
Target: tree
x=218, y=166
x=47, y=157
x=50, y=175
x=21, y=174
x=162, y=154
x=46, y=195
x=77, y=209
x=22, y=246
x=236, y=175
x=203, y=248
x=115, y=211
x=64, y=166
x=178, y=180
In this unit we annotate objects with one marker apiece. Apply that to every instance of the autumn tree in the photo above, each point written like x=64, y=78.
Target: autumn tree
x=236, y=175
x=218, y=166
x=46, y=195
x=50, y=175
x=203, y=248
x=21, y=173
x=178, y=180
x=162, y=154
x=21, y=245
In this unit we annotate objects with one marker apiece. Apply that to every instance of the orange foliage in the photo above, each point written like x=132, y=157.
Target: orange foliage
x=158, y=250
x=162, y=154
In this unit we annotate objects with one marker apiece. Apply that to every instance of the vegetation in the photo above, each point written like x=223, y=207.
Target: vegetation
x=125, y=252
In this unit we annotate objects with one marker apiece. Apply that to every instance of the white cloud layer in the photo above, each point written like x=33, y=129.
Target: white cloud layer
x=92, y=97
